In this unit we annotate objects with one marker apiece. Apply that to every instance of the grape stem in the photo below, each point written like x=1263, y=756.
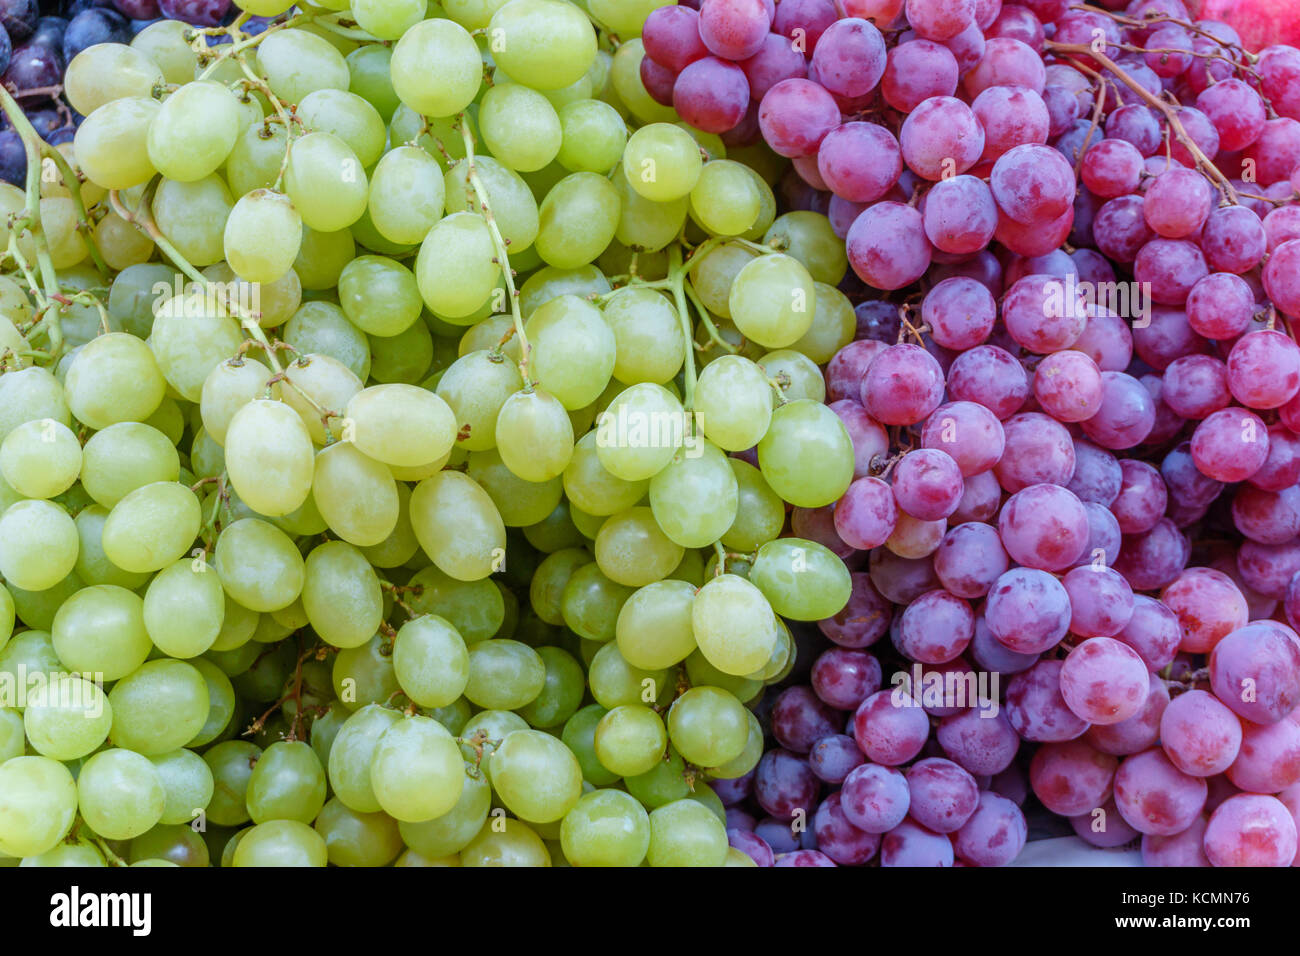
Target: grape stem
x=677, y=279
x=714, y=337
x=498, y=241
x=104, y=848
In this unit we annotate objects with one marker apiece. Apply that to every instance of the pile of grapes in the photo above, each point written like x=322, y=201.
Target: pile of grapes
x=527, y=433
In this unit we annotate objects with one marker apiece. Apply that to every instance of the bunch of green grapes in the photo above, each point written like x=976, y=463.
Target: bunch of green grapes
x=402, y=470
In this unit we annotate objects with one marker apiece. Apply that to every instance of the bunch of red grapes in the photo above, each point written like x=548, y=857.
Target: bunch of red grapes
x=1074, y=400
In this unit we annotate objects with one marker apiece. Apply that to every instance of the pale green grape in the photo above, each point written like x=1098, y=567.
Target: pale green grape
x=409, y=127
x=208, y=460
x=296, y=62
x=503, y=674
x=654, y=628
x=159, y=707
x=416, y=772
x=78, y=854
x=695, y=498
x=262, y=236
x=803, y=580
x=350, y=118
x=238, y=625
x=228, y=388
x=808, y=237
x=112, y=146
x=134, y=293
x=379, y=295
x=614, y=682
x=194, y=131
x=513, y=206
x=121, y=243
x=662, y=162
x=797, y=374
x=554, y=532
x=715, y=275
x=536, y=776
x=38, y=545
x=661, y=785
x=430, y=661
x=733, y=403
x=458, y=526
x=401, y=545
x=593, y=136
x=281, y=843
x=39, y=806
x=7, y=615
x=322, y=256
x=578, y=219
x=259, y=565
x=124, y=457
x=592, y=488
x=341, y=595
x=231, y=763
x=630, y=740
x=407, y=194
x=534, y=435
x=163, y=41
x=356, y=495
x=545, y=44
x=472, y=15
x=269, y=457
x=806, y=455
x=519, y=502
x=546, y=589
x=358, y=839
x=562, y=692
x=505, y=842
x=452, y=831
x=708, y=726
x=702, y=673
x=326, y=181
x=436, y=68
x=638, y=433
x=319, y=384
x=400, y=424
x=172, y=843
x=591, y=603
x=372, y=79
x=455, y=270
x=519, y=126
x=152, y=526
x=192, y=216
x=573, y=350
x=351, y=755
x=288, y=783
x=772, y=300
x=190, y=338
x=67, y=245
x=67, y=718
x=364, y=675
x=734, y=625
x=255, y=159
x=760, y=513
x=606, y=828
x=686, y=833
x=749, y=756
x=113, y=378
x=549, y=282
x=120, y=794
x=187, y=782
x=28, y=652
x=833, y=327
x=632, y=549
x=475, y=387
x=726, y=201
x=579, y=736
x=184, y=608
x=624, y=17
x=409, y=357
x=41, y=458
x=648, y=335
x=30, y=393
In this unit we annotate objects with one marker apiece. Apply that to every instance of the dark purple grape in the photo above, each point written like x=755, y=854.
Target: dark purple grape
x=784, y=785
x=202, y=13
x=138, y=9
x=74, y=7
x=92, y=26
x=19, y=18
x=138, y=25
x=63, y=134
x=13, y=161
x=45, y=122
x=6, y=51
x=49, y=32
x=33, y=67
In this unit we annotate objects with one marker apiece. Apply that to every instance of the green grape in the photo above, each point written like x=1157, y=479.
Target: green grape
x=695, y=498
x=458, y=526
x=357, y=839
x=163, y=41
x=685, y=833
x=326, y=181
x=474, y=608
x=798, y=375
x=833, y=327
x=614, y=682
x=281, y=843
x=505, y=842
x=472, y=15
x=734, y=625
x=653, y=630
x=578, y=219
x=534, y=435
x=401, y=545
x=546, y=590
x=416, y=772
x=173, y=843
x=448, y=87
x=296, y=62
x=322, y=257
x=7, y=615
x=536, y=776
x=120, y=794
x=592, y=136
x=545, y=44
x=31, y=393
x=631, y=548
x=662, y=162
x=122, y=244
x=491, y=727
x=519, y=126
x=573, y=350
x=194, y=131
x=549, y=282
x=352, y=753
x=555, y=532
x=624, y=17
x=513, y=206
x=92, y=566
x=341, y=595
x=663, y=784
x=562, y=692
x=316, y=383
x=37, y=608
x=364, y=675
x=356, y=495
x=579, y=736
x=408, y=357
x=766, y=199
x=288, y=783
x=67, y=246
x=78, y=854
x=124, y=457
x=630, y=740
x=231, y=763
x=733, y=403
x=39, y=806
x=715, y=275
x=504, y=675
x=29, y=652
x=453, y=830
x=760, y=513
x=258, y=565
x=455, y=269
x=639, y=432
x=380, y=296
x=808, y=237
x=189, y=340
x=67, y=718
x=38, y=545
x=40, y=458
x=519, y=502
x=221, y=702
x=430, y=661
x=371, y=77
x=648, y=335
x=708, y=726
x=806, y=455
x=700, y=672
x=591, y=603
x=113, y=378
x=112, y=147
x=407, y=195
x=208, y=460
x=184, y=608
x=772, y=300
x=255, y=159
x=13, y=742
x=230, y=386
x=606, y=828
x=726, y=200
x=748, y=758
x=400, y=424
x=593, y=489
x=262, y=236
x=802, y=579
x=627, y=89
x=152, y=526
x=187, y=783
x=159, y=707
x=192, y=216
x=350, y=118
